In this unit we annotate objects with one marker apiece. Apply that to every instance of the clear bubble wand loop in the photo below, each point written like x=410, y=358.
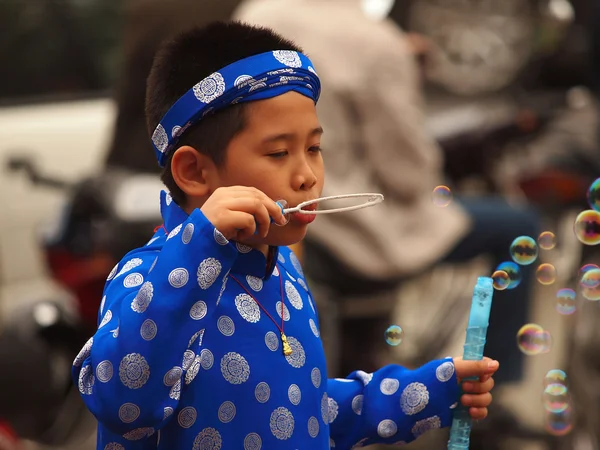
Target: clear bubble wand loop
x=479, y=317
x=371, y=200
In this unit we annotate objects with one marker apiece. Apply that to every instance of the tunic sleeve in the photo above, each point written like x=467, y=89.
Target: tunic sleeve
x=391, y=406
x=146, y=350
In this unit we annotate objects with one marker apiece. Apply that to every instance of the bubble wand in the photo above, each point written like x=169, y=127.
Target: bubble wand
x=473, y=351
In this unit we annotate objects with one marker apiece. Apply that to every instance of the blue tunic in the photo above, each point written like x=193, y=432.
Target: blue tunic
x=184, y=357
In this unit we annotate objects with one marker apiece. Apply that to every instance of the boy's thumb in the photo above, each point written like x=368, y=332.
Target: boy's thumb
x=466, y=369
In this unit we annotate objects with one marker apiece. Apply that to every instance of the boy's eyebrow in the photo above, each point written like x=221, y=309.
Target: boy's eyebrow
x=289, y=136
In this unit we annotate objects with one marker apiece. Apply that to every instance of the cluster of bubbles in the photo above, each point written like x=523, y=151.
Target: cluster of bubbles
x=558, y=419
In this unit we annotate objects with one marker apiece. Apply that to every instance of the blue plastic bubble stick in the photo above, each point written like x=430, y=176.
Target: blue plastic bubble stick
x=473, y=351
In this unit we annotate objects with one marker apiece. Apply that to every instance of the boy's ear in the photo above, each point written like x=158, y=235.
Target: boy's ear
x=193, y=172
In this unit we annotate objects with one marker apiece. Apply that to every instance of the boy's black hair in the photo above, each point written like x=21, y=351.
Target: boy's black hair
x=190, y=57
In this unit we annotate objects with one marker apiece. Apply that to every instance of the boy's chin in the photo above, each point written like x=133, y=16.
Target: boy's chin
x=285, y=236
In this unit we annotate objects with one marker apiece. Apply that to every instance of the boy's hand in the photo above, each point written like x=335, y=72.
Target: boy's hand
x=476, y=395
x=237, y=210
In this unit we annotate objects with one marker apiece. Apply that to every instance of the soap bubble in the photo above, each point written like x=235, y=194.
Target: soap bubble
x=590, y=284
x=547, y=240
x=513, y=271
x=555, y=376
x=587, y=227
x=555, y=398
x=587, y=267
x=441, y=196
x=501, y=280
x=593, y=195
x=546, y=274
x=394, y=335
x=524, y=250
x=565, y=301
x=559, y=424
x=532, y=339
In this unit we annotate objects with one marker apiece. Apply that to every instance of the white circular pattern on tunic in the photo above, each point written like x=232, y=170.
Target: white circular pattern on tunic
x=280, y=258
x=143, y=298
x=172, y=376
x=175, y=231
x=414, y=399
x=133, y=280
x=252, y=441
x=313, y=327
x=332, y=409
x=132, y=263
x=387, y=428
x=178, y=277
x=113, y=446
x=223, y=286
x=208, y=439
x=242, y=248
x=168, y=412
x=310, y=302
x=187, y=417
x=282, y=423
x=389, y=386
x=293, y=295
x=208, y=272
x=271, y=341
x=104, y=371
x=294, y=394
x=235, y=368
x=445, y=371
x=297, y=358
x=247, y=308
x=168, y=198
x=313, y=427
x=198, y=310
x=275, y=271
x=288, y=58
x=134, y=371
x=325, y=408
x=153, y=264
x=113, y=272
x=206, y=359
x=364, y=377
x=102, y=304
x=226, y=412
x=139, y=433
x=195, y=336
x=115, y=332
x=191, y=374
x=175, y=391
x=107, y=318
x=315, y=377
x=290, y=276
x=296, y=263
x=160, y=138
x=357, y=404
x=286, y=311
x=128, y=412
x=302, y=283
x=210, y=88
x=422, y=426
x=262, y=392
x=220, y=238
x=86, y=380
x=188, y=232
x=188, y=359
x=226, y=326
x=255, y=283
x=84, y=352
x=148, y=330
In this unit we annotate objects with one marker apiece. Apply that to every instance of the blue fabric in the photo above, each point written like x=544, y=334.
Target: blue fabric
x=184, y=358
x=258, y=77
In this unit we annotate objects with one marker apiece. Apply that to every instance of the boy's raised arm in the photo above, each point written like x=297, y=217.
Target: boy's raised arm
x=148, y=345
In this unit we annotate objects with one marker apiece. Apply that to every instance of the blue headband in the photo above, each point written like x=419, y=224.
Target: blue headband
x=258, y=77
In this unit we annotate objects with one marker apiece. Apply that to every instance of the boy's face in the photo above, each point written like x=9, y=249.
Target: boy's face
x=278, y=152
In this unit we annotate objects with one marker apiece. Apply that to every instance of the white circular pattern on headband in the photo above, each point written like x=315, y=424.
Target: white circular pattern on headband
x=160, y=138
x=134, y=371
x=208, y=272
x=387, y=428
x=422, y=426
x=288, y=58
x=282, y=423
x=188, y=232
x=311, y=69
x=208, y=439
x=128, y=412
x=357, y=404
x=247, y=308
x=389, y=386
x=187, y=417
x=445, y=371
x=175, y=131
x=294, y=394
x=133, y=280
x=86, y=380
x=297, y=358
x=209, y=89
x=315, y=377
x=178, y=277
x=271, y=341
x=252, y=441
x=226, y=412
x=172, y=376
x=198, y=310
x=104, y=371
x=262, y=392
x=313, y=427
x=293, y=295
x=255, y=283
x=242, y=81
x=148, y=330
x=235, y=368
x=143, y=298
x=206, y=359
x=286, y=311
x=226, y=326
x=414, y=399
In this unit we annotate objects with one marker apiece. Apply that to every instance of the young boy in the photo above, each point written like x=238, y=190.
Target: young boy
x=208, y=336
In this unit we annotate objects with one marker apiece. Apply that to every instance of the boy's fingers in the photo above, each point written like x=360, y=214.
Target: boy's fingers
x=478, y=413
x=477, y=401
x=465, y=369
x=474, y=387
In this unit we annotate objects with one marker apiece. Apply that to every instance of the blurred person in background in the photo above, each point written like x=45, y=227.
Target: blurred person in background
x=376, y=141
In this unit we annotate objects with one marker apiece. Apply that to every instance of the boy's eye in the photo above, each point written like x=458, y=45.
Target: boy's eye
x=315, y=149
x=278, y=154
